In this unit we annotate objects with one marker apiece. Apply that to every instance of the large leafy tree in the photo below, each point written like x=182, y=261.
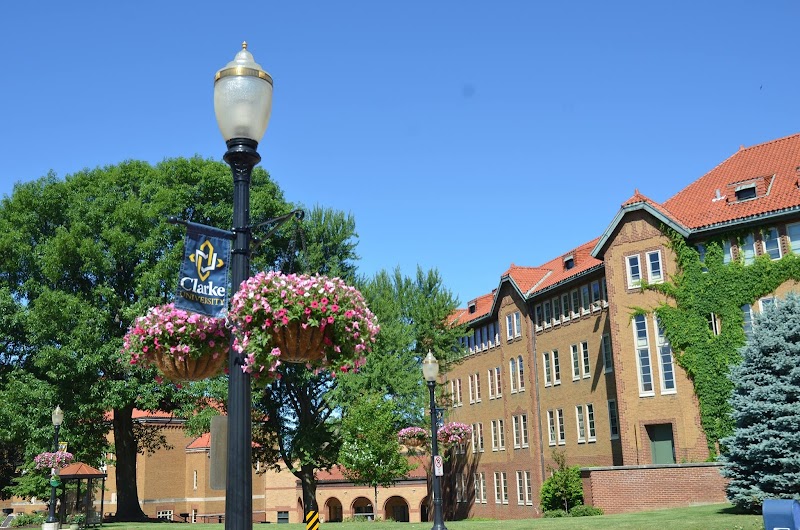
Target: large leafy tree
x=80, y=258
x=762, y=457
x=370, y=451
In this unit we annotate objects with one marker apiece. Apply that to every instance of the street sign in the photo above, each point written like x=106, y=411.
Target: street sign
x=438, y=466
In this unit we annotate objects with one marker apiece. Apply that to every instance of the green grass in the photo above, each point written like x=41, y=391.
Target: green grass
x=709, y=517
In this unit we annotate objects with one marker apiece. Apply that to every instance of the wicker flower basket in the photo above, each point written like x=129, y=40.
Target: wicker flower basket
x=414, y=442
x=300, y=345
x=190, y=369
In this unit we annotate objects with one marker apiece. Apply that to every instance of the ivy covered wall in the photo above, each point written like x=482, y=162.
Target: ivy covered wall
x=696, y=291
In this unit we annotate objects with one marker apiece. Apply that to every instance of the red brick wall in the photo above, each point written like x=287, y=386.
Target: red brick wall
x=633, y=489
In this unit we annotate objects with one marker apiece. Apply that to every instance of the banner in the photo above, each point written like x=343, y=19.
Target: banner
x=203, y=283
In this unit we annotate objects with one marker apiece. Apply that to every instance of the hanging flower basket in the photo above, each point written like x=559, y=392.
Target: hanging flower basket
x=413, y=437
x=454, y=433
x=55, y=460
x=183, y=346
x=297, y=318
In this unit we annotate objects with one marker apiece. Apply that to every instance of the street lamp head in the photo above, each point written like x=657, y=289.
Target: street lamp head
x=58, y=416
x=430, y=367
x=242, y=98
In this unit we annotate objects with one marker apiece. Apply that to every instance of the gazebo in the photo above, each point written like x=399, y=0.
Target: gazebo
x=78, y=471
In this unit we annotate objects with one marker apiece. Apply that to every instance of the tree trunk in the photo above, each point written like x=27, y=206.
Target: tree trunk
x=309, y=483
x=375, y=506
x=128, y=508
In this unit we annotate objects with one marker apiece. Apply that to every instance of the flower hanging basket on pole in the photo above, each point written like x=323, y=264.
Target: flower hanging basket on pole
x=296, y=318
x=413, y=436
x=183, y=346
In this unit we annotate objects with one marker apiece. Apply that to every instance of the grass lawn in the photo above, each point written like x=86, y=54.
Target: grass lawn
x=710, y=517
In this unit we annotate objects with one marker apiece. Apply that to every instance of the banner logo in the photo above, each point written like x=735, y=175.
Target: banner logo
x=206, y=260
x=203, y=282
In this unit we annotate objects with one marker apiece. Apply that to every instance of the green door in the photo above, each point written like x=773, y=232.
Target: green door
x=661, y=445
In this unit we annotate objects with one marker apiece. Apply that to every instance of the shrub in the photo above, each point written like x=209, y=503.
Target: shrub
x=564, y=487
x=583, y=510
x=28, y=519
x=555, y=513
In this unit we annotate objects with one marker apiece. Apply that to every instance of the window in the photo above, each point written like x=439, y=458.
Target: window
x=666, y=361
x=576, y=363
x=539, y=316
x=512, y=370
x=556, y=369
x=565, y=307
x=461, y=487
x=585, y=300
x=586, y=360
x=548, y=378
x=283, y=517
x=793, y=231
x=747, y=321
x=480, y=488
x=772, y=243
x=524, y=488
x=714, y=324
x=520, y=374
x=745, y=192
x=613, y=419
x=560, y=420
x=517, y=324
x=748, y=249
x=164, y=514
x=514, y=325
x=500, y=487
x=474, y=388
x=766, y=302
x=494, y=340
x=194, y=479
x=727, y=251
x=490, y=375
x=498, y=436
x=477, y=434
x=603, y=291
x=569, y=263
x=548, y=315
x=575, y=304
x=455, y=392
x=509, y=327
x=581, y=425
x=551, y=426
x=498, y=382
x=595, y=295
x=556, y=304
x=608, y=355
x=643, y=356
x=701, y=252
x=520, y=426
x=590, y=422
x=634, y=272
x=654, y=273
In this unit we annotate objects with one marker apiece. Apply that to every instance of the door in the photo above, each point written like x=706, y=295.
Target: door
x=662, y=447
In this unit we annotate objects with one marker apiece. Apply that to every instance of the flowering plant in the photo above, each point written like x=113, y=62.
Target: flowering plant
x=300, y=318
x=170, y=338
x=454, y=433
x=413, y=436
x=52, y=460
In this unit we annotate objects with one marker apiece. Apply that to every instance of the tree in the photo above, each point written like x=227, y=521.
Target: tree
x=564, y=488
x=762, y=457
x=80, y=258
x=370, y=451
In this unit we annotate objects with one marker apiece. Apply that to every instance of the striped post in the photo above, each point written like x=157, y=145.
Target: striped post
x=312, y=520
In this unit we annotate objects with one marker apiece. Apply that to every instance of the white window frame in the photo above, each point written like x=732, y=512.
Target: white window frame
x=576, y=362
x=595, y=296
x=490, y=377
x=748, y=249
x=651, y=274
x=763, y=303
x=498, y=496
x=555, y=303
x=520, y=373
x=591, y=430
x=547, y=367
x=747, y=321
x=634, y=278
x=793, y=233
x=524, y=488
x=586, y=300
x=556, y=368
x=552, y=427
x=613, y=419
x=498, y=381
x=575, y=303
x=580, y=423
x=517, y=433
x=512, y=370
x=480, y=487
x=565, y=309
x=538, y=317
x=767, y=236
x=727, y=251
x=642, y=345
x=586, y=364
x=608, y=353
x=547, y=311
x=666, y=359
x=523, y=429
x=562, y=437
x=509, y=328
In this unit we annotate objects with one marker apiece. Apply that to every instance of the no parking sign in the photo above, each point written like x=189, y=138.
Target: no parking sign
x=438, y=466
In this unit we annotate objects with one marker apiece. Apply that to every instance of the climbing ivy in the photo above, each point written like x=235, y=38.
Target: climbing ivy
x=698, y=289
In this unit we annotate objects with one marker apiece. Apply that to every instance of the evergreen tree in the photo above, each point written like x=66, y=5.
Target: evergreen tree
x=762, y=457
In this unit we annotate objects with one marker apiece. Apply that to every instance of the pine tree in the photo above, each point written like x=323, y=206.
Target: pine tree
x=762, y=457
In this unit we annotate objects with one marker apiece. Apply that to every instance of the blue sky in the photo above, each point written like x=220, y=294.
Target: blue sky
x=462, y=135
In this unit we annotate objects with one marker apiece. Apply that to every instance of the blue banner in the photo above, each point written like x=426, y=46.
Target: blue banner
x=203, y=283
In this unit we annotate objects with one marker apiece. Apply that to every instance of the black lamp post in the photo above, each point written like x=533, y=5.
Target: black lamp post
x=430, y=371
x=242, y=103
x=58, y=419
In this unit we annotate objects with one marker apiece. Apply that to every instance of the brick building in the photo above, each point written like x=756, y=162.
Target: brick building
x=559, y=359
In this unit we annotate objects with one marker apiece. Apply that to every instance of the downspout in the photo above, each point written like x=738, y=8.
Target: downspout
x=535, y=379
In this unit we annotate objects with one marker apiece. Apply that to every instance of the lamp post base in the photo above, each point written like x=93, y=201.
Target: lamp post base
x=51, y=526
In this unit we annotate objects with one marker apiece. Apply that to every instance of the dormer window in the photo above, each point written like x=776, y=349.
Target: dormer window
x=747, y=191
x=569, y=262
x=472, y=308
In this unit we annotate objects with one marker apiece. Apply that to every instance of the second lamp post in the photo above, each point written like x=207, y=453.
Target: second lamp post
x=430, y=371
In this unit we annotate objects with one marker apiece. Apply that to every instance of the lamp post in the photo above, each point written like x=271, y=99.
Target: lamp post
x=242, y=104
x=58, y=419
x=430, y=371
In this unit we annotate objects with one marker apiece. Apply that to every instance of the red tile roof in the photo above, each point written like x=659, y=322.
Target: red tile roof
x=526, y=277
x=583, y=262
x=201, y=442
x=79, y=470
x=483, y=306
x=711, y=200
